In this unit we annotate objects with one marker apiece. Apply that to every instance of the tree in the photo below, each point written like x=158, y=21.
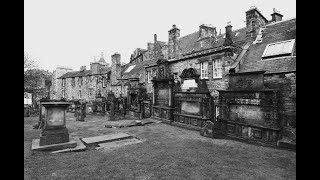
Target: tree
x=29, y=62
x=36, y=81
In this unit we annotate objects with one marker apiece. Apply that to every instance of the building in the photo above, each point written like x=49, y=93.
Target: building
x=262, y=45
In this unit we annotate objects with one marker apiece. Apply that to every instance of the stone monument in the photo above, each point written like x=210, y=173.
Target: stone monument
x=54, y=134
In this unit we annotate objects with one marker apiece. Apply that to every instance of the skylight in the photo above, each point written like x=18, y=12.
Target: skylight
x=283, y=48
x=130, y=68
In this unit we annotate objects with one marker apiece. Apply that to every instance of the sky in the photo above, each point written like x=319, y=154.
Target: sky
x=72, y=32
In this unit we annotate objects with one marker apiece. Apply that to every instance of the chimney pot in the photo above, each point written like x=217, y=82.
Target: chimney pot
x=155, y=37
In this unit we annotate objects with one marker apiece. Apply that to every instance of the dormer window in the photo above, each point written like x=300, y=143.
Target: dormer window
x=279, y=49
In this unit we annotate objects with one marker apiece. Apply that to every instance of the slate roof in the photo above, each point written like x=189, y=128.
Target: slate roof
x=276, y=32
x=137, y=71
x=190, y=43
x=84, y=73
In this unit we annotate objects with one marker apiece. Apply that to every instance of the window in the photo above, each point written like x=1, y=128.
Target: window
x=204, y=70
x=103, y=82
x=217, y=68
x=90, y=93
x=79, y=94
x=73, y=81
x=149, y=77
x=283, y=48
x=79, y=81
x=63, y=93
x=175, y=76
x=63, y=82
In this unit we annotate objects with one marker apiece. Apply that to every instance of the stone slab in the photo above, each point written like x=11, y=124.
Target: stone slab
x=106, y=138
x=80, y=147
x=36, y=145
x=117, y=144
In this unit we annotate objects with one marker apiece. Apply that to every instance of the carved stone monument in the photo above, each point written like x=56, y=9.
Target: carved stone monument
x=54, y=134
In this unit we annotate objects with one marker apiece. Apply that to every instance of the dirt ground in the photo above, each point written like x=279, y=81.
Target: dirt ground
x=167, y=152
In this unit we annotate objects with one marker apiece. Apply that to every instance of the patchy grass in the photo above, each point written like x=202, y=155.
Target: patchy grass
x=167, y=152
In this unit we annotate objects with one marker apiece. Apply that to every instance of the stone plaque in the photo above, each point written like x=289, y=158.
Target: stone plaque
x=246, y=80
x=189, y=107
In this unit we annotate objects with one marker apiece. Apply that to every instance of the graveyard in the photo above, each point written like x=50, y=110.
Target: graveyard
x=151, y=149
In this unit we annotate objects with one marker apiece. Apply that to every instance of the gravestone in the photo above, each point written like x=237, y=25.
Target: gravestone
x=54, y=134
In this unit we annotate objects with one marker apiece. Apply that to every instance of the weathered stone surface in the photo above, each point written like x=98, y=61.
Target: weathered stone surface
x=54, y=136
x=37, y=147
x=80, y=147
x=117, y=144
x=106, y=138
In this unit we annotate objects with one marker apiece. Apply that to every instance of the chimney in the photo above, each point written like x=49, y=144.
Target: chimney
x=83, y=68
x=174, y=34
x=155, y=38
x=207, y=30
x=115, y=68
x=254, y=20
x=276, y=16
x=95, y=67
x=115, y=59
x=228, y=39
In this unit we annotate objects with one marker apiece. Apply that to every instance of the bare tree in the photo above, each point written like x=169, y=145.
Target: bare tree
x=29, y=62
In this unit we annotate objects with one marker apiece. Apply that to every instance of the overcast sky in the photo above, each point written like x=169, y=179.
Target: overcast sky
x=71, y=32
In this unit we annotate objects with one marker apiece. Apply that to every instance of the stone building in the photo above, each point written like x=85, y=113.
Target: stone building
x=85, y=84
x=262, y=45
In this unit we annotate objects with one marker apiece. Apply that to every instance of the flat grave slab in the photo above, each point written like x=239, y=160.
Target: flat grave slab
x=106, y=138
x=80, y=147
x=36, y=145
x=117, y=144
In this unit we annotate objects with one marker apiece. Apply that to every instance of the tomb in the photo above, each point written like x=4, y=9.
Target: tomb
x=99, y=105
x=247, y=110
x=135, y=92
x=193, y=102
x=54, y=134
x=163, y=83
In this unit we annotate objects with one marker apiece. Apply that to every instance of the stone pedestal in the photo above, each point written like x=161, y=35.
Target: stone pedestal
x=54, y=134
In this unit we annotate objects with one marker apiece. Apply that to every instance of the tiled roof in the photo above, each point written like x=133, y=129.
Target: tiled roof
x=190, y=43
x=276, y=32
x=137, y=71
x=84, y=73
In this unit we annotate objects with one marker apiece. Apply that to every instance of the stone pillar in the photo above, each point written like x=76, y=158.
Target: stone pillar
x=111, y=114
x=142, y=110
x=170, y=94
x=153, y=94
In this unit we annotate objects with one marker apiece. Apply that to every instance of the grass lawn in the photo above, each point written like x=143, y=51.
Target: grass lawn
x=167, y=152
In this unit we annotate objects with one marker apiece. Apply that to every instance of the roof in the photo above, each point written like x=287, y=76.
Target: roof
x=190, y=43
x=138, y=70
x=276, y=32
x=103, y=70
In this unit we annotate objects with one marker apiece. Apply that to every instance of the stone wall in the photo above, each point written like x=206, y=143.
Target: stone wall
x=286, y=84
x=72, y=92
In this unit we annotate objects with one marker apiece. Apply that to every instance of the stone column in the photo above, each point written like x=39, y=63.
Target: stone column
x=111, y=114
x=142, y=110
x=170, y=94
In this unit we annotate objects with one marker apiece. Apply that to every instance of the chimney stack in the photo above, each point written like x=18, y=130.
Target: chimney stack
x=174, y=34
x=276, y=16
x=228, y=39
x=155, y=37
